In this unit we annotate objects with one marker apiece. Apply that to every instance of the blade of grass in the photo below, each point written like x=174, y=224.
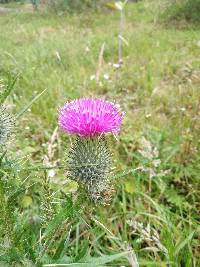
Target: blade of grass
x=29, y=104
x=9, y=87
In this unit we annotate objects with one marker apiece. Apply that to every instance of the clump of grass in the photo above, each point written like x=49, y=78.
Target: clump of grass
x=183, y=10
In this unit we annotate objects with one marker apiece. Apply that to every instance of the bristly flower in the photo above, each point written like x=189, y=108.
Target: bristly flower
x=6, y=125
x=89, y=161
x=90, y=117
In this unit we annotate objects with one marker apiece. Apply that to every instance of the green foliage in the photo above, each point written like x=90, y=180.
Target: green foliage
x=152, y=218
x=5, y=1
x=6, y=90
x=10, y=1
x=183, y=10
x=73, y=5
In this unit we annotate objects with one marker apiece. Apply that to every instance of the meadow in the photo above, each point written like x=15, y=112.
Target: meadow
x=153, y=216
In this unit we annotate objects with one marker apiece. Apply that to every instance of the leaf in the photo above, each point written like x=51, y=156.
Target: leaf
x=14, y=195
x=64, y=213
x=124, y=40
x=96, y=261
x=129, y=187
x=183, y=243
x=62, y=247
x=46, y=260
x=3, y=264
x=9, y=87
x=176, y=199
x=29, y=104
x=83, y=251
x=93, y=261
x=26, y=201
x=154, y=263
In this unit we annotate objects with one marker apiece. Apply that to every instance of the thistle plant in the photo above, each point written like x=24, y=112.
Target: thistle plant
x=89, y=161
x=6, y=125
x=6, y=120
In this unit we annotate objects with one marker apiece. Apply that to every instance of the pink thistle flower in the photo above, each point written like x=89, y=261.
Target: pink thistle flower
x=89, y=117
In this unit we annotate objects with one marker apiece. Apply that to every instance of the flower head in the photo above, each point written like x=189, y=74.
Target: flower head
x=89, y=117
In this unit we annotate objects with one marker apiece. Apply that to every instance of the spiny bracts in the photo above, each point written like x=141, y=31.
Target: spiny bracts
x=89, y=163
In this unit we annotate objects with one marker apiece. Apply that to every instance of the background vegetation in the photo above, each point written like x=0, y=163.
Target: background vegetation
x=186, y=10
x=153, y=217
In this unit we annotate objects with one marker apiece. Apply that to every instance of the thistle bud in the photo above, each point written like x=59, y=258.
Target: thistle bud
x=89, y=163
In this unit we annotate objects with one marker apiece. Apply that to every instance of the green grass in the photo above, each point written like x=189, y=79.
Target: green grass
x=157, y=86
x=183, y=11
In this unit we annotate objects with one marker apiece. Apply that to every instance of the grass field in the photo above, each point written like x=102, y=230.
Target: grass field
x=153, y=217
